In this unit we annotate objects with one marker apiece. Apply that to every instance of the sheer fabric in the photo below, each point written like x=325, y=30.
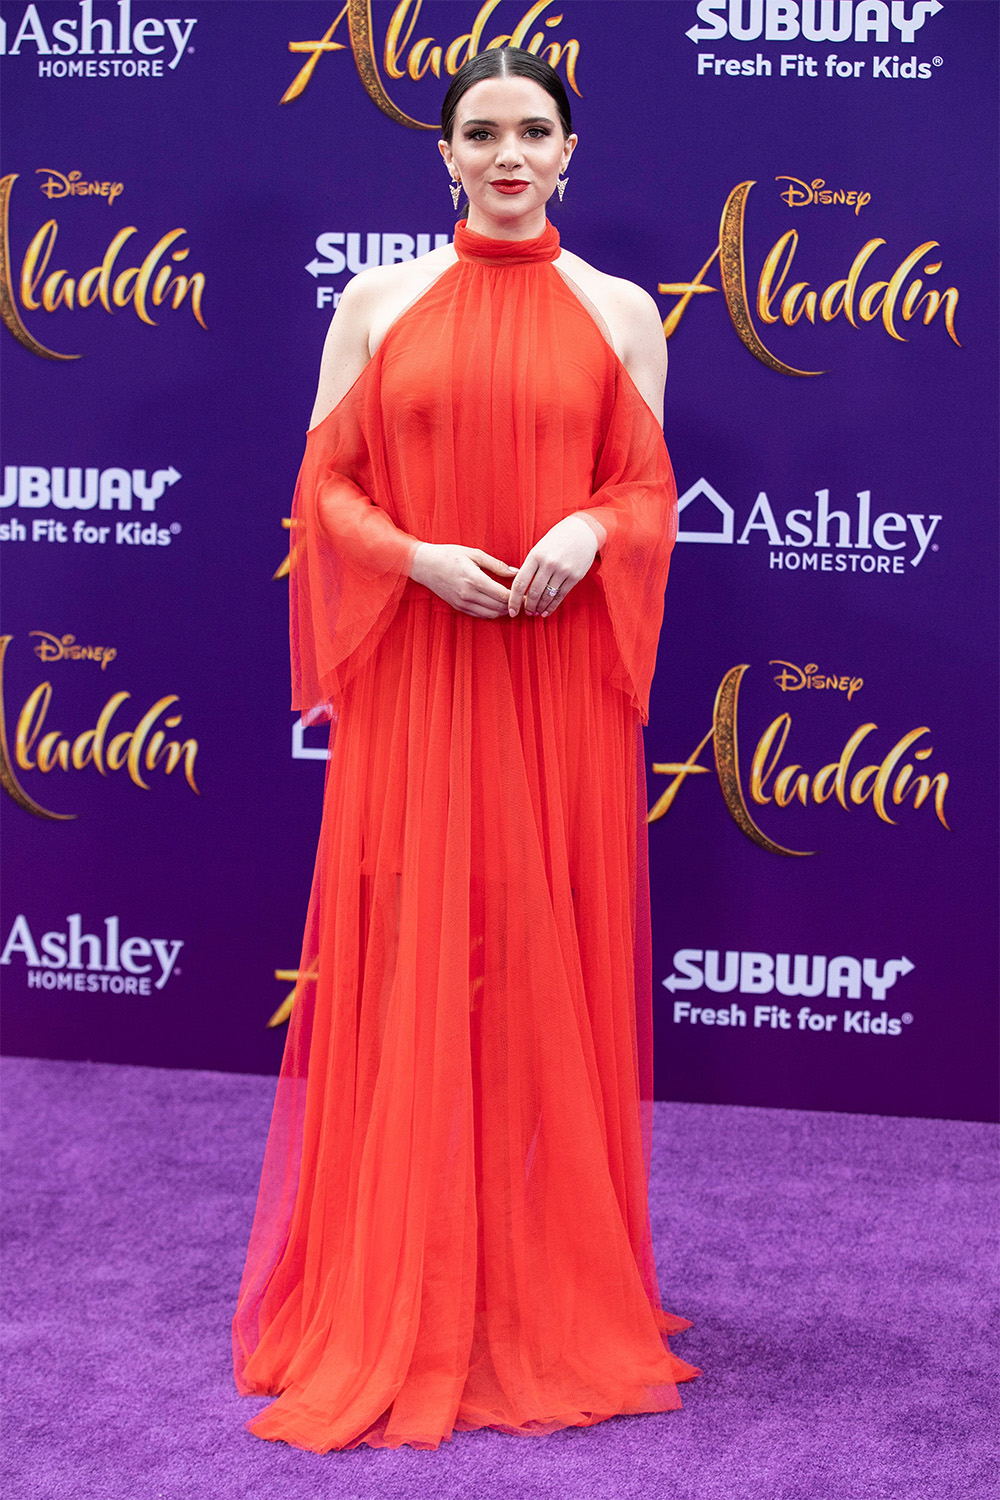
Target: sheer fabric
x=452, y=1229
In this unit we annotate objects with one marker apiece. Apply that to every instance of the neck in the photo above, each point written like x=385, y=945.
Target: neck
x=526, y=227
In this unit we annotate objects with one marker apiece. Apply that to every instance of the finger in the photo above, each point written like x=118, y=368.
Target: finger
x=492, y=564
x=537, y=599
x=493, y=594
x=519, y=585
x=552, y=601
x=483, y=607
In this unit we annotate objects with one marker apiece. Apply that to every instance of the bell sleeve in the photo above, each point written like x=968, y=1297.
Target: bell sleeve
x=349, y=561
x=635, y=504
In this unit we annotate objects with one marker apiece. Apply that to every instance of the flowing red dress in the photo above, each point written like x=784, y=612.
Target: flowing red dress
x=452, y=1229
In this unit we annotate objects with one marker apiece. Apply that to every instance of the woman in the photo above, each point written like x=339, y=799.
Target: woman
x=452, y=1229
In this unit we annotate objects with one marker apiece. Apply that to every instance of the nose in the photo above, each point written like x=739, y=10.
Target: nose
x=509, y=152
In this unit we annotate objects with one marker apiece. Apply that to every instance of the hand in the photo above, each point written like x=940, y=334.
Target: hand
x=562, y=556
x=460, y=576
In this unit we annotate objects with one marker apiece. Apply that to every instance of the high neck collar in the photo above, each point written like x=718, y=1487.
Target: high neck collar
x=470, y=245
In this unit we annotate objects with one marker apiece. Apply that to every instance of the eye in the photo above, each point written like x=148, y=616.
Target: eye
x=477, y=135
x=537, y=130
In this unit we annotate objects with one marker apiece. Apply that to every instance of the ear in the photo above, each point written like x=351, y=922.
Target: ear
x=568, y=149
x=445, y=151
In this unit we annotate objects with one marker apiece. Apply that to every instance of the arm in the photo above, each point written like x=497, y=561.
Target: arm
x=345, y=349
x=563, y=556
x=456, y=574
x=644, y=355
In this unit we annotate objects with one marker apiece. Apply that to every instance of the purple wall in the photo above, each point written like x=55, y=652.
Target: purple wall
x=866, y=641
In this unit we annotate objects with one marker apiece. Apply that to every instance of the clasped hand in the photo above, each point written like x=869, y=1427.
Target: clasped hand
x=461, y=575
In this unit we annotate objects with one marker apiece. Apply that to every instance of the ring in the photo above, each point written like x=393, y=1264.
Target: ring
x=551, y=590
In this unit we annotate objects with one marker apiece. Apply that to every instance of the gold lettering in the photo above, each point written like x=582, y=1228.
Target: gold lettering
x=760, y=772
x=53, y=751
x=923, y=786
x=53, y=293
x=785, y=792
x=11, y=318
x=734, y=285
x=424, y=55
x=359, y=22
x=554, y=54
x=118, y=750
x=394, y=44
x=685, y=290
x=316, y=50
x=8, y=780
x=840, y=769
x=889, y=765
x=526, y=22
x=934, y=300
x=107, y=265
x=471, y=39
x=433, y=62
x=861, y=784
x=29, y=723
x=893, y=289
x=87, y=290
x=788, y=314
x=89, y=746
x=767, y=287
x=680, y=772
x=140, y=735
x=868, y=309
x=31, y=271
x=847, y=287
x=792, y=783
x=727, y=763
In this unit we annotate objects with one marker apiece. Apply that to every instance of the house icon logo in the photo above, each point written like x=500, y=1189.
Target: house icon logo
x=701, y=489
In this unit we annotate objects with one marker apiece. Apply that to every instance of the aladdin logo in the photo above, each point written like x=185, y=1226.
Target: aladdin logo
x=60, y=185
x=116, y=47
x=888, y=301
x=56, y=961
x=403, y=57
x=817, y=540
x=143, y=287
x=341, y=251
x=886, y=784
x=137, y=751
x=811, y=20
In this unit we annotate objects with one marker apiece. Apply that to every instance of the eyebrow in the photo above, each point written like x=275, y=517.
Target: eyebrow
x=529, y=120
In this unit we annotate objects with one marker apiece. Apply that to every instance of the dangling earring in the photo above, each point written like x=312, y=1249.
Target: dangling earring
x=456, y=191
x=561, y=186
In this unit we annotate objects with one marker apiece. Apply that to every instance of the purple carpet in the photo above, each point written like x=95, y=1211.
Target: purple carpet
x=840, y=1269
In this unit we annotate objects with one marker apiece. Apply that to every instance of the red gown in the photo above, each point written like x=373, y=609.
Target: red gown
x=452, y=1229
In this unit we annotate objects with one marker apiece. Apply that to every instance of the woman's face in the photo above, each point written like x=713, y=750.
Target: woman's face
x=507, y=148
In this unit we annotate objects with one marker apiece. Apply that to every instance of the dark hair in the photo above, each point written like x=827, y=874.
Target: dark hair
x=504, y=62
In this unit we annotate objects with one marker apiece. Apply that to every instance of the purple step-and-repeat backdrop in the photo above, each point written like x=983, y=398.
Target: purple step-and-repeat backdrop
x=808, y=189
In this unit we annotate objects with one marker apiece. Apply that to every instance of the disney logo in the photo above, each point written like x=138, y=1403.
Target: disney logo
x=792, y=679
x=64, y=648
x=72, y=185
x=800, y=194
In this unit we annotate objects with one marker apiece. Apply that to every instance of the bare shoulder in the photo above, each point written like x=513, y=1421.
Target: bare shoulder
x=380, y=285
x=631, y=301
x=633, y=320
x=368, y=304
